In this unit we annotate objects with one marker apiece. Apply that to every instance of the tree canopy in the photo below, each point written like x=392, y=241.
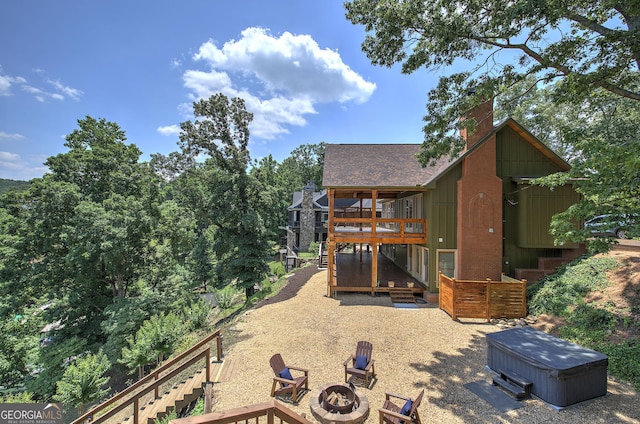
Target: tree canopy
x=105, y=246
x=580, y=45
x=221, y=132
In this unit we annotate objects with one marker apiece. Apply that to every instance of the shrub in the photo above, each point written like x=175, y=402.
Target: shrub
x=225, y=297
x=277, y=268
x=197, y=315
x=313, y=247
x=567, y=288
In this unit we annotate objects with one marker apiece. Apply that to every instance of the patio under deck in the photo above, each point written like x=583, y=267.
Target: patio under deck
x=354, y=275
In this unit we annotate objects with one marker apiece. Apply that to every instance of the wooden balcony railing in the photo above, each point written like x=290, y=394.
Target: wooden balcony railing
x=379, y=230
x=267, y=413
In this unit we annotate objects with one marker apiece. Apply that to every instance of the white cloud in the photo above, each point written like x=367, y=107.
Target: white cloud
x=60, y=91
x=8, y=159
x=15, y=167
x=5, y=85
x=280, y=78
x=7, y=136
x=169, y=130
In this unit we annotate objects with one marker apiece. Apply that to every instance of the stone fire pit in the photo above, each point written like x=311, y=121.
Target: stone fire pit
x=339, y=403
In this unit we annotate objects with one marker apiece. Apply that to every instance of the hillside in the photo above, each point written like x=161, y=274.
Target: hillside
x=607, y=317
x=6, y=185
x=623, y=291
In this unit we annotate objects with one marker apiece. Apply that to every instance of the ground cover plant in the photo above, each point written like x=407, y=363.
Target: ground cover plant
x=595, y=302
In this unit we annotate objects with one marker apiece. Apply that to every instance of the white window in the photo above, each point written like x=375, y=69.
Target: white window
x=447, y=262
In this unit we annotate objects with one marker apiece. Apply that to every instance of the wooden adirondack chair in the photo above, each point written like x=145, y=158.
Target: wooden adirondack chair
x=358, y=367
x=284, y=386
x=391, y=413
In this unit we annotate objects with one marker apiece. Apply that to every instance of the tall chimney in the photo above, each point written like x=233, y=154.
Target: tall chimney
x=479, y=219
x=483, y=115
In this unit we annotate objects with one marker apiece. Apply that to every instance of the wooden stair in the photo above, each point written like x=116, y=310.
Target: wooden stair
x=324, y=261
x=516, y=385
x=179, y=396
x=402, y=296
x=184, y=392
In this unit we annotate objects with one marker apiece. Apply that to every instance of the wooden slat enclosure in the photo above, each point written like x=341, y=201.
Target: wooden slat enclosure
x=483, y=299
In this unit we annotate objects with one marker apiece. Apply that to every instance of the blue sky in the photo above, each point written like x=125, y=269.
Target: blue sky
x=142, y=64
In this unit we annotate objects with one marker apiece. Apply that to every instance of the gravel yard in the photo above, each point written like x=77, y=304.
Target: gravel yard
x=414, y=349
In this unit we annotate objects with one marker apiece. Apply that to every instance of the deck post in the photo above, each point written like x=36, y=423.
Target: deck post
x=454, y=296
x=156, y=392
x=219, y=347
x=208, y=365
x=488, y=301
x=374, y=268
x=331, y=194
x=374, y=244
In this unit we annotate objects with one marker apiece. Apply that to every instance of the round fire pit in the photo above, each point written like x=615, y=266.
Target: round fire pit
x=339, y=403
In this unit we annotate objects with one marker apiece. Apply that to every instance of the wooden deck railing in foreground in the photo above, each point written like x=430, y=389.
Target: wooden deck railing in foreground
x=483, y=299
x=152, y=382
x=266, y=412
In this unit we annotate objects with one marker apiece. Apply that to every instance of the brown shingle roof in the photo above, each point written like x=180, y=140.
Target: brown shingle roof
x=376, y=165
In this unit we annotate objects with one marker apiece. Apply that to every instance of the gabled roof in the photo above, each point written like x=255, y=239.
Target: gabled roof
x=396, y=165
x=319, y=199
x=376, y=165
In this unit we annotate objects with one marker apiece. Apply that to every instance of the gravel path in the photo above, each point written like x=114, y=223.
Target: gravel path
x=414, y=349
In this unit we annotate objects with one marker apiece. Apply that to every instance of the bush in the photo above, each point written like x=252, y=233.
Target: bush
x=197, y=315
x=313, y=247
x=277, y=268
x=20, y=397
x=225, y=297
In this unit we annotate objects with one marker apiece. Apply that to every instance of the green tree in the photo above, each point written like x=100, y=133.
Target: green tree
x=596, y=136
x=84, y=381
x=304, y=165
x=221, y=132
x=155, y=339
x=273, y=197
x=583, y=45
x=19, y=346
x=92, y=233
x=607, y=173
x=98, y=162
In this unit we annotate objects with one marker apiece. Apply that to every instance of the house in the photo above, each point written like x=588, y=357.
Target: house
x=474, y=217
x=309, y=213
x=308, y=216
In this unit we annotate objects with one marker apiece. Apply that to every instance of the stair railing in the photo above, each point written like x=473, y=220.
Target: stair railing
x=152, y=382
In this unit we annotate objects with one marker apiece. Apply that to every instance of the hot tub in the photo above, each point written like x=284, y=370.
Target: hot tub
x=562, y=373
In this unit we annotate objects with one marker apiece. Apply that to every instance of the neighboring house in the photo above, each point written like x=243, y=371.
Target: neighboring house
x=473, y=217
x=309, y=214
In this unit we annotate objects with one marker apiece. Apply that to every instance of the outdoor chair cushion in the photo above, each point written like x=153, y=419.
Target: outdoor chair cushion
x=407, y=407
x=286, y=374
x=361, y=362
